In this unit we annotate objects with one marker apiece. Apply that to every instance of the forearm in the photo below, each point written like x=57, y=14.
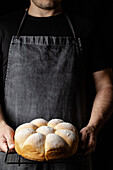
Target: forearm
x=102, y=107
x=2, y=120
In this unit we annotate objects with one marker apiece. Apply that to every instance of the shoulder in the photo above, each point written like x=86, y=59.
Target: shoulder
x=10, y=17
x=83, y=25
x=10, y=22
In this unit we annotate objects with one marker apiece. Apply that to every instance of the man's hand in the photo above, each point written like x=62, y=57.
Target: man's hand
x=88, y=138
x=6, y=137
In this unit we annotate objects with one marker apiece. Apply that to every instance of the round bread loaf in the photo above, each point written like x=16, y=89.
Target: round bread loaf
x=41, y=140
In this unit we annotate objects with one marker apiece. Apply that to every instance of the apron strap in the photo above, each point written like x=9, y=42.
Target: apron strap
x=70, y=24
x=78, y=40
x=22, y=21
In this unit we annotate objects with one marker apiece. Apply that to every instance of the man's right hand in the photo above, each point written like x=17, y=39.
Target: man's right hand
x=6, y=137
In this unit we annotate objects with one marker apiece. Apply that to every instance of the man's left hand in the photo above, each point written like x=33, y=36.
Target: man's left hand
x=88, y=138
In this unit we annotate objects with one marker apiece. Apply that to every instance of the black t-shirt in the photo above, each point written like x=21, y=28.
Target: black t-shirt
x=85, y=29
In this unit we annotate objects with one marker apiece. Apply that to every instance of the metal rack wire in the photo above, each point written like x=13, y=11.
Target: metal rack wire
x=14, y=158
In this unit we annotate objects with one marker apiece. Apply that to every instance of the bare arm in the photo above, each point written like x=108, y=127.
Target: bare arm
x=103, y=103
x=101, y=110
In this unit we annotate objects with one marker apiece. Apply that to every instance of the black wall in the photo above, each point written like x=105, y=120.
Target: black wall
x=96, y=10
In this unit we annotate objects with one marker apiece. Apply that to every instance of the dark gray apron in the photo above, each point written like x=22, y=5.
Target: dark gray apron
x=45, y=79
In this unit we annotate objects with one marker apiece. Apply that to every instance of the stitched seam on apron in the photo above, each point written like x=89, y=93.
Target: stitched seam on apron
x=8, y=65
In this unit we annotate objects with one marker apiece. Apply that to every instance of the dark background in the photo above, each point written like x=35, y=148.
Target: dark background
x=101, y=13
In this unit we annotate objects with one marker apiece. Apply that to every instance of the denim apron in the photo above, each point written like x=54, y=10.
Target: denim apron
x=45, y=79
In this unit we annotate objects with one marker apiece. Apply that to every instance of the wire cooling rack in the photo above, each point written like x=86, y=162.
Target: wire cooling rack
x=14, y=158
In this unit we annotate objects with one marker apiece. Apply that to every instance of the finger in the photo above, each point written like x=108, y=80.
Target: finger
x=90, y=145
x=3, y=146
x=83, y=140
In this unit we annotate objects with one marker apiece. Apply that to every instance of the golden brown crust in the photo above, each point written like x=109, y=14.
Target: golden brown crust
x=20, y=137
x=53, y=122
x=70, y=137
x=65, y=125
x=26, y=126
x=55, y=147
x=39, y=122
x=33, y=147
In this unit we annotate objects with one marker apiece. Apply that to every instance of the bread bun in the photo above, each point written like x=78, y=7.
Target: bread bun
x=41, y=140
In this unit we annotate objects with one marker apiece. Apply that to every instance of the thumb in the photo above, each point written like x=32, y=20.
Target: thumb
x=11, y=146
x=10, y=141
